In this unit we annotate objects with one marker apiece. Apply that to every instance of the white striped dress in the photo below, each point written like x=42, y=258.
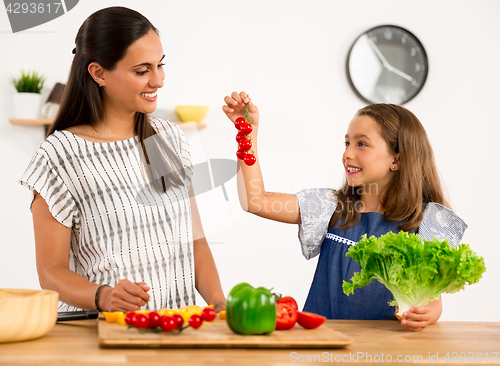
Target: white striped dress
x=121, y=228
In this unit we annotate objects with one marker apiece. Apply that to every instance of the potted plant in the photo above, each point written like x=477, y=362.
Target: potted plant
x=27, y=100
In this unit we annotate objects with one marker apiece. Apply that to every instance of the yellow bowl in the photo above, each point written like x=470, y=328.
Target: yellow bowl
x=190, y=113
x=26, y=314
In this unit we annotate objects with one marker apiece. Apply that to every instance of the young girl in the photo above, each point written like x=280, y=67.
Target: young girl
x=116, y=224
x=391, y=185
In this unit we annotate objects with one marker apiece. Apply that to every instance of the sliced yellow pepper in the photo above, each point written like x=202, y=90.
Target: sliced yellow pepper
x=167, y=312
x=110, y=316
x=193, y=309
x=187, y=311
x=145, y=312
x=120, y=318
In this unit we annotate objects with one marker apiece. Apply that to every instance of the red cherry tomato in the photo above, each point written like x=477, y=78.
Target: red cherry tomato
x=239, y=121
x=290, y=301
x=140, y=321
x=168, y=323
x=208, y=314
x=249, y=159
x=240, y=154
x=286, y=316
x=195, y=321
x=178, y=319
x=154, y=320
x=310, y=320
x=245, y=144
x=246, y=128
x=129, y=318
x=239, y=136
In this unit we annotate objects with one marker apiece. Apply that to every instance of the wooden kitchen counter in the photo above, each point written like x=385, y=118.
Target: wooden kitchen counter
x=76, y=343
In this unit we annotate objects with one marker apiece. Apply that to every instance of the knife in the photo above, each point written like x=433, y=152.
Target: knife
x=77, y=315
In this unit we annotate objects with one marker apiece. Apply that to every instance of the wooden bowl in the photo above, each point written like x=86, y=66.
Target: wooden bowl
x=26, y=314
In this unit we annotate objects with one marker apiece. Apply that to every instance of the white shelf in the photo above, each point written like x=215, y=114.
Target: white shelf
x=46, y=122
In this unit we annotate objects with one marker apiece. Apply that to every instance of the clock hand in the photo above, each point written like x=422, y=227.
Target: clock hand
x=378, y=53
x=385, y=63
x=400, y=73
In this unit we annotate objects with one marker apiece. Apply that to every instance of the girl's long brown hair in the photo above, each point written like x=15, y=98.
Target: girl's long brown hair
x=415, y=184
x=104, y=38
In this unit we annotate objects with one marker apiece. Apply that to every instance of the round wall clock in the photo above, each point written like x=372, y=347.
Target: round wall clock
x=387, y=64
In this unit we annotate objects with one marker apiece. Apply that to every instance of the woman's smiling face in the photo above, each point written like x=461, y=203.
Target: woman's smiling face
x=133, y=84
x=367, y=161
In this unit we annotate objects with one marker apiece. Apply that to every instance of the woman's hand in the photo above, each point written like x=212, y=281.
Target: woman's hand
x=235, y=107
x=125, y=296
x=220, y=306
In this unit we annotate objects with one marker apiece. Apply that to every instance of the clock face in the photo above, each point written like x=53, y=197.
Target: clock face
x=387, y=64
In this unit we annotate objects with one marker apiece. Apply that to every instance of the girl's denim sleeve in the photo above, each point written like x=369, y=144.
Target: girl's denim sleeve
x=316, y=209
x=441, y=223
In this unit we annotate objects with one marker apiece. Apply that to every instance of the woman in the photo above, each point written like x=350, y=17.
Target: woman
x=115, y=218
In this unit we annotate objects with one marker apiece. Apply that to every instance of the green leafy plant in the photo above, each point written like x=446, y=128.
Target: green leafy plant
x=29, y=82
x=416, y=272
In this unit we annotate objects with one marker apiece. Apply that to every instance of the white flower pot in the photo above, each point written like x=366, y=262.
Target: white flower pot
x=27, y=105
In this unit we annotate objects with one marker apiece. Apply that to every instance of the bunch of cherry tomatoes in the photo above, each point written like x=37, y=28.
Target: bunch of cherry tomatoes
x=167, y=323
x=244, y=127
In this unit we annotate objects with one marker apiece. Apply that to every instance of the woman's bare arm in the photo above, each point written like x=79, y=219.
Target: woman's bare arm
x=52, y=242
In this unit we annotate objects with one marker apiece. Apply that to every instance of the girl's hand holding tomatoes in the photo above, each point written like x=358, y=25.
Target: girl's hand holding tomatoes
x=235, y=107
x=251, y=191
x=244, y=124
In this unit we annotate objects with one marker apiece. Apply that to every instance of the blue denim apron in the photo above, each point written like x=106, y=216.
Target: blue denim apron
x=326, y=296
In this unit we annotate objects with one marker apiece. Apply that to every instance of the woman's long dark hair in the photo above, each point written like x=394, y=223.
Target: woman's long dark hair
x=104, y=38
x=415, y=184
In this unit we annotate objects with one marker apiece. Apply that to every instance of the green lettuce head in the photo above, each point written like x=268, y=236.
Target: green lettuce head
x=416, y=272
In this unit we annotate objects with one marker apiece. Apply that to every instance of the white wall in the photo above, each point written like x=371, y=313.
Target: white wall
x=290, y=56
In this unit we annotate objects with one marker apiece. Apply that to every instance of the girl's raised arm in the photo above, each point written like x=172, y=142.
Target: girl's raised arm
x=252, y=194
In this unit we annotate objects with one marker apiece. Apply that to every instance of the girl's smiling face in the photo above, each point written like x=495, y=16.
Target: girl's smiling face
x=133, y=84
x=367, y=161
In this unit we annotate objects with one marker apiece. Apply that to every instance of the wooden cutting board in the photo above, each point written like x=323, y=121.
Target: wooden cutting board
x=217, y=334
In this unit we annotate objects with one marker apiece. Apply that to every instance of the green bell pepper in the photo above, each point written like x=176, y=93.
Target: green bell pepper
x=250, y=310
